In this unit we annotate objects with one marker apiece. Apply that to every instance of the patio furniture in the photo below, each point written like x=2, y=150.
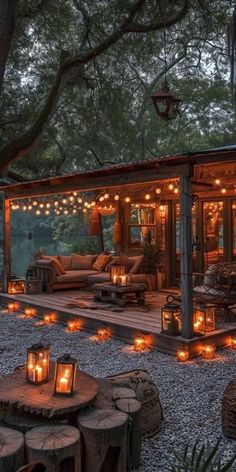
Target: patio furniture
x=228, y=412
x=117, y=294
x=11, y=449
x=60, y=272
x=57, y=447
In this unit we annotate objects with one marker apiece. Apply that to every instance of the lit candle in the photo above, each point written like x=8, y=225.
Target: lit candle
x=103, y=334
x=39, y=371
x=11, y=307
x=233, y=342
x=114, y=280
x=71, y=326
x=208, y=351
x=63, y=384
x=139, y=343
x=123, y=280
x=182, y=355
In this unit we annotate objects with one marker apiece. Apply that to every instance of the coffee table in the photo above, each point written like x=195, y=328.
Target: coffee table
x=109, y=292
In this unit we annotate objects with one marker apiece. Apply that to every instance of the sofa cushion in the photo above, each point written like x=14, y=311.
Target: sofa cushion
x=101, y=262
x=75, y=276
x=97, y=278
x=55, y=263
x=137, y=264
x=79, y=262
x=65, y=262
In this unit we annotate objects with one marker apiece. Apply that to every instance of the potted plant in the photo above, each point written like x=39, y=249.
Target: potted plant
x=151, y=262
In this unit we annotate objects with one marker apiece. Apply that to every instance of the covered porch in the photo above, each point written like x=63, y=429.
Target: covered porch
x=184, y=205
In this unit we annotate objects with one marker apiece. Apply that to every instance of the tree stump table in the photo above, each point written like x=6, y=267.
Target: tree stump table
x=11, y=449
x=57, y=447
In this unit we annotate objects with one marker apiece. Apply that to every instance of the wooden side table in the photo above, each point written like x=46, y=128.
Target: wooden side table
x=116, y=294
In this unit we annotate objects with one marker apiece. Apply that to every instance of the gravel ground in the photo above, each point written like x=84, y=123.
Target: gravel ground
x=190, y=393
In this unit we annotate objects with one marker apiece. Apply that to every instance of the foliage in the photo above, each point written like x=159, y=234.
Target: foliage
x=86, y=247
x=202, y=459
x=151, y=258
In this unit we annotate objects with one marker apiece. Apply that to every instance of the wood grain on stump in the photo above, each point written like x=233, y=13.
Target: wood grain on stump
x=105, y=438
x=122, y=392
x=57, y=447
x=11, y=450
x=132, y=407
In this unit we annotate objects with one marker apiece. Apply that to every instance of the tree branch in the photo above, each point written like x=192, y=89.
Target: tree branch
x=158, y=25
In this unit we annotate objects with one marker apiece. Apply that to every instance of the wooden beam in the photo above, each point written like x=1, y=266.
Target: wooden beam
x=6, y=242
x=186, y=256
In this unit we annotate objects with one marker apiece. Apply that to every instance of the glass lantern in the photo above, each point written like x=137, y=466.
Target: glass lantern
x=16, y=286
x=171, y=321
x=103, y=333
x=139, y=343
x=204, y=318
x=65, y=375
x=182, y=354
x=124, y=280
x=208, y=351
x=115, y=271
x=37, y=366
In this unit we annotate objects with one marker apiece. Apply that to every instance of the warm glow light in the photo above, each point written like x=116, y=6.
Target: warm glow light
x=64, y=201
x=147, y=196
x=162, y=208
x=170, y=186
x=49, y=318
x=139, y=343
x=217, y=181
x=47, y=212
x=56, y=203
x=38, y=212
x=103, y=334
x=30, y=207
x=127, y=199
x=106, y=196
x=72, y=325
x=233, y=342
x=116, y=197
x=41, y=205
x=48, y=205
x=71, y=198
x=12, y=307
x=223, y=190
x=29, y=312
x=101, y=199
x=34, y=203
x=208, y=351
x=79, y=200
x=182, y=355
x=176, y=190
x=24, y=208
x=158, y=190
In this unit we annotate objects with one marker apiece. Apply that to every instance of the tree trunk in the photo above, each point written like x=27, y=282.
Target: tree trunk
x=7, y=21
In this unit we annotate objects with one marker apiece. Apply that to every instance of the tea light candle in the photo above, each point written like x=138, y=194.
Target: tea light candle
x=71, y=325
x=139, y=343
x=182, y=355
x=114, y=279
x=208, y=351
x=63, y=387
x=122, y=279
x=103, y=334
x=11, y=307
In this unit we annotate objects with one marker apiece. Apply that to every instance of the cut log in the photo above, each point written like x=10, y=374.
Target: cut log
x=105, y=440
x=32, y=468
x=11, y=450
x=132, y=407
x=57, y=447
x=122, y=392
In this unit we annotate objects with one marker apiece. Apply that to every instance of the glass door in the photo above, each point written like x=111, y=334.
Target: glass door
x=213, y=232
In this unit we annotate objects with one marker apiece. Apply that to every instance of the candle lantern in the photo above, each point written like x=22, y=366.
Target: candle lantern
x=171, y=320
x=16, y=286
x=182, y=354
x=37, y=367
x=115, y=271
x=65, y=375
x=139, y=343
x=73, y=325
x=208, y=351
x=103, y=334
x=124, y=280
x=204, y=318
x=233, y=342
x=49, y=318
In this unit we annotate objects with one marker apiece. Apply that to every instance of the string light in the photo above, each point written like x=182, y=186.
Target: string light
x=56, y=203
x=79, y=200
x=34, y=203
x=106, y=196
x=30, y=207
x=171, y=186
x=64, y=201
x=116, y=197
x=147, y=196
x=101, y=199
x=217, y=181
x=176, y=190
x=38, y=212
x=127, y=199
x=41, y=205
x=48, y=205
x=158, y=190
x=223, y=190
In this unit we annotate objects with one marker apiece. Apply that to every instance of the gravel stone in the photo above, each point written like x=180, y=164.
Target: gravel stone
x=191, y=393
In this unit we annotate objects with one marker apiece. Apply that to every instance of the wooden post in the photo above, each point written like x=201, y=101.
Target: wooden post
x=101, y=240
x=6, y=242
x=186, y=255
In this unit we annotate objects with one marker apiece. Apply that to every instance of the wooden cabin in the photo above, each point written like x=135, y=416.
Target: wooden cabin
x=184, y=204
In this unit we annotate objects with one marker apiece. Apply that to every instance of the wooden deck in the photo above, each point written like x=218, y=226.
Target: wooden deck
x=123, y=324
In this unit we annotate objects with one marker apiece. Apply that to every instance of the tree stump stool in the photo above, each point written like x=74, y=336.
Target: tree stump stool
x=132, y=407
x=57, y=447
x=228, y=412
x=32, y=468
x=105, y=440
x=11, y=450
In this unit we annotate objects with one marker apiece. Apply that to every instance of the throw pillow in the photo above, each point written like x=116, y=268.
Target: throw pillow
x=65, y=262
x=101, y=262
x=137, y=264
x=79, y=262
x=147, y=394
x=56, y=264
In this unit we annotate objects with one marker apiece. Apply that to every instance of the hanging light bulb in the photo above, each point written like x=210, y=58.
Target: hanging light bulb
x=66, y=212
x=101, y=199
x=223, y=190
x=106, y=196
x=93, y=203
x=84, y=210
x=75, y=194
x=74, y=210
x=116, y=197
x=176, y=190
x=30, y=207
x=47, y=212
x=158, y=190
x=79, y=200
x=217, y=181
x=171, y=186
x=85, y=204
x=127, y=199
x=56, y=203
x=48, y=205
x=89, y=205
x=41, y=205
x=71, y=198
x=37, y=212
x=24, y=208
x=147, y=196
x=64, y=201
x=34, y=203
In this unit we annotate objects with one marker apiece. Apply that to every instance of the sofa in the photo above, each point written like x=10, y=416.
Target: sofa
x=79, y=271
